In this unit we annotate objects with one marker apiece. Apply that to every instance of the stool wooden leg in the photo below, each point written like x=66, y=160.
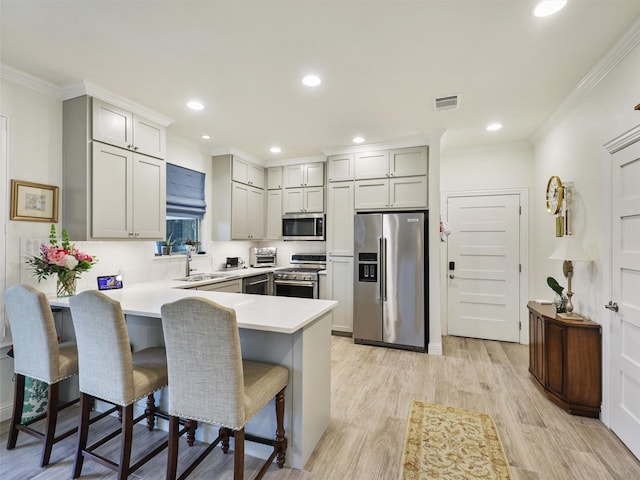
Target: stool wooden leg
x=191, y=426
x=83, y=433
x=238, y=455
x=281, y=441
x=50, y=428
x=127, y=439
x=150, y=412
x=174, y=433
x=223, y=433
x=16, y=417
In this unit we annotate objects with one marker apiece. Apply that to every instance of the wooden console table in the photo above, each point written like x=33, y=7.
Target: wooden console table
x=565, y=359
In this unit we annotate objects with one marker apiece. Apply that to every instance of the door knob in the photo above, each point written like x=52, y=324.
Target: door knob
x=451, y=275
x=612, y=306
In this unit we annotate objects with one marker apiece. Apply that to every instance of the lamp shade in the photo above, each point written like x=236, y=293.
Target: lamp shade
x=570, y=248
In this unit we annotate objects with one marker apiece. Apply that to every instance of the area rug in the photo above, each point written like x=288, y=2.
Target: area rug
x=453, y=444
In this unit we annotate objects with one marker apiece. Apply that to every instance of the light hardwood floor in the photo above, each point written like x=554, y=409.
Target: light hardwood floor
x=372, y=388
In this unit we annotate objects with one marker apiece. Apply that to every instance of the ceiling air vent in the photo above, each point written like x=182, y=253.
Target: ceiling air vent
x=450, y=102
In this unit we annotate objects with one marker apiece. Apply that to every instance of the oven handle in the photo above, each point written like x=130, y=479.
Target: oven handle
x=257, y=282
x=294, y=282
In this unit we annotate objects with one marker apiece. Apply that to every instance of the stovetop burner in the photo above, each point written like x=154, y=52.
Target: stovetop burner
x=305, y=267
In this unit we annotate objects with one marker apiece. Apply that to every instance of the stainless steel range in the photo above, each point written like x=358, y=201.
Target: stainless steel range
x=301, y=279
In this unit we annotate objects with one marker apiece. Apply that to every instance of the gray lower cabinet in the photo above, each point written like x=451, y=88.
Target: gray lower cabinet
x=230, y=286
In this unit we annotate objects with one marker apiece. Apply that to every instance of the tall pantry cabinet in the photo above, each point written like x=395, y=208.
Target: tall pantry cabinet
x=340, y=212
x=114, y=173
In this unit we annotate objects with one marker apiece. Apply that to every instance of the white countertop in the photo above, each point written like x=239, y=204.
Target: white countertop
x=255, y=312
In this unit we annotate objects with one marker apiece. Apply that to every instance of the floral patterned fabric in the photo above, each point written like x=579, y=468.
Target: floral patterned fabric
x=35, y=399
x=450, y=443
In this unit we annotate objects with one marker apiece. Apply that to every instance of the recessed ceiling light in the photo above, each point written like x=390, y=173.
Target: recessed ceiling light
x=275, y=149
x=195, y=105
x=206, y=137
x=357, y=139
x=492, y=127
x=548, y=7
x=311, y=80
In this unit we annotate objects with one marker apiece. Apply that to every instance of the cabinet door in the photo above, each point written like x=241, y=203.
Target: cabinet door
x=111, y=192
x=340, y=288
x=274, y=178
x=112, y=124
x=408, y=192
x=371, y=165
x=371, y=194
x=313, y=199
x=274, y=214
x=408, y=162
x=240, y=229
x=256, y=176
x=256, y=214
x=554, y=341
x=313, y=174
x=340, y=167
x=149, y=138
x=340, y=218
x=293, y=176
x=232, y=286
x=149, y=197
x=293, y=200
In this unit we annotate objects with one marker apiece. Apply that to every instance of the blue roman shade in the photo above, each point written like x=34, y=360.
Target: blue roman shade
x=185, y=192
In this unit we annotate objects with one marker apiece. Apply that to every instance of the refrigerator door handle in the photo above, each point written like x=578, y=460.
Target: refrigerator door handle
x=380, y=270
x=384, y=269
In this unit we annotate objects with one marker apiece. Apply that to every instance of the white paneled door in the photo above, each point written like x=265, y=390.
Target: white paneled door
x=625, y=286
x=483, y=271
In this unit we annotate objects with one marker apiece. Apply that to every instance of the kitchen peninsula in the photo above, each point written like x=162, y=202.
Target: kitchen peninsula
x=293, y=332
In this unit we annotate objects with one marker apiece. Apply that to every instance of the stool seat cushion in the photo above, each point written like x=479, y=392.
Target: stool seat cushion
x=260, y=381
x=68, y=360
x=149, y=371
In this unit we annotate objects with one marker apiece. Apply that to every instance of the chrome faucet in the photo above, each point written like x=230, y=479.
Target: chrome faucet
x=187, y=265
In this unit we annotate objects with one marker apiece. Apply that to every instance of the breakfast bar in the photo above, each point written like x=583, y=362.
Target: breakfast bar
x=293, y=332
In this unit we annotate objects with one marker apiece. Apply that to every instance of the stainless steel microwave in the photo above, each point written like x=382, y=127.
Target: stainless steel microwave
x=303, y=226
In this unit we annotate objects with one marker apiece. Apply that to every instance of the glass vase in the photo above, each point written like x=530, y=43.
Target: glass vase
x=66, y=284
x=560, y=301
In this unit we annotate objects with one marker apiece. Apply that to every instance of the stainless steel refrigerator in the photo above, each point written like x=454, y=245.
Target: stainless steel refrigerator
x=390, y=292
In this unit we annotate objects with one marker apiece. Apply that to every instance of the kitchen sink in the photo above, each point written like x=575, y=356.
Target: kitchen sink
x=199, y=277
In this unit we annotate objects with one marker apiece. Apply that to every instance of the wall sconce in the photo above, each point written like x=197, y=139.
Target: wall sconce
x=569, y=249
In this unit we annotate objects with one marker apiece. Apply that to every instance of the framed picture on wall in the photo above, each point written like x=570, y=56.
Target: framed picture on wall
x=34, y=202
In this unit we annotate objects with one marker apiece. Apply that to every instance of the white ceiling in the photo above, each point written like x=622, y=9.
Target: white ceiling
x=382, y=64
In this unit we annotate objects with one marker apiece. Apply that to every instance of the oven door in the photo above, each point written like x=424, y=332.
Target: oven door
x=295, y=288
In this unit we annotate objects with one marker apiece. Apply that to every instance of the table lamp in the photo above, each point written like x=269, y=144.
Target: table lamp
x=569, y=249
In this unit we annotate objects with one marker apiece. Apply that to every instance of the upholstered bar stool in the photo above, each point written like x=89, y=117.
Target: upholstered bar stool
x=109, y=371
x=209, y=382
x=38, y=355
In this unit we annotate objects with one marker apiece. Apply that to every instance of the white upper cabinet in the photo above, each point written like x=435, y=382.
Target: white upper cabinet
x=274, y=178
x=408, y=162
x=303, y=200
x=274, y=215
x=304, y=175
x=127, y=194
x=340, y=167
x=247, y=173
x=372, y=165
x=401, y=162
x=121, y=128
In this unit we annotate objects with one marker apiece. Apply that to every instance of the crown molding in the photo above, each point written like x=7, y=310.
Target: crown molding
x=371, y=147
x=83, y=87
x=27, y=80
x=629, y=41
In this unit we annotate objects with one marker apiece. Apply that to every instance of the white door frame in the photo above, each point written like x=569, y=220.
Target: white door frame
x=611, y=147
x=524, y=254
x=4, y=194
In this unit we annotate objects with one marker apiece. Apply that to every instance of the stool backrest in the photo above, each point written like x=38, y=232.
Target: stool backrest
x=204, y=361
x=104, y=353
x=35, y=341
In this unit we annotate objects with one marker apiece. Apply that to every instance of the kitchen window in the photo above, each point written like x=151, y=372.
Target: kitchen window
x=185, y=207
